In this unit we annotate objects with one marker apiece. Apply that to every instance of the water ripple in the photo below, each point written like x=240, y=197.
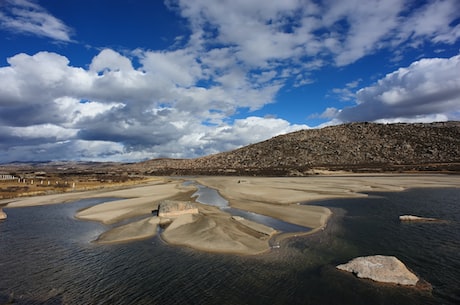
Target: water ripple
x=45, y=260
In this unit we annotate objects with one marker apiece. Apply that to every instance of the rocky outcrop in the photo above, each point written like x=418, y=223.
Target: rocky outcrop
x=2, y=215
x=173, y=208
x=356, y=147
x=385, y=269
x=410, y=218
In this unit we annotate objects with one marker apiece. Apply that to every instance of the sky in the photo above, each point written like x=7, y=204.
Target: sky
x=130, y=80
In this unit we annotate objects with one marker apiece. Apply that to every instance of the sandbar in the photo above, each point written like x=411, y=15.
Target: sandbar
x=285, y=198
x=213, y=230
x=140, y=229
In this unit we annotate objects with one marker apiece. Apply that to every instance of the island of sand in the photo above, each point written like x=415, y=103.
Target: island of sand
x=212, y=229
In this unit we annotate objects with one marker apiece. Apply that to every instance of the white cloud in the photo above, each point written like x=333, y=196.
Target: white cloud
x=77, y=110
x=180, y=67
x=347, y=93
x=48, y=106
x=180, y=102
x=329, y=113
x=432, y=22
x=364, y=26
x=252, y=129
x=427, y=89
x=54, y=132
x=26, y=16
x=40, y=78
x=268, y=34
x=417, y=119
x=66, y=150
x=226, y=137
x=110, y=61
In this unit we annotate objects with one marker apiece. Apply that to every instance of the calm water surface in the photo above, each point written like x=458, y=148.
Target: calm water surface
x=46, y=257
x=211, y=196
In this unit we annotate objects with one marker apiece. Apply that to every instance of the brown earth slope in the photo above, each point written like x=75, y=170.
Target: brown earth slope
x=355, y=147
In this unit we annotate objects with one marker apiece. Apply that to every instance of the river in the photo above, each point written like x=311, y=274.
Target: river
x=47, y=257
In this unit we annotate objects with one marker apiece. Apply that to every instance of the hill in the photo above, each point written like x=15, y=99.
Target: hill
x=358, y=147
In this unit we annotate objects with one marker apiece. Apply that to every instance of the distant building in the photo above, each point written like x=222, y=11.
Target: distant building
x=7, y=177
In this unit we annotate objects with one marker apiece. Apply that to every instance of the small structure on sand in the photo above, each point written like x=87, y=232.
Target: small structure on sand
x=174, y=208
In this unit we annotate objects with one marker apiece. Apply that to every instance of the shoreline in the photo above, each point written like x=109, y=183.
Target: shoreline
x=212, y=230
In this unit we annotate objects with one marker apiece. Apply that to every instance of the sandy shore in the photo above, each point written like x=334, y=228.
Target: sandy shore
x=147, y=189
x=215, y=230
x=135, y=230
x=279, y=196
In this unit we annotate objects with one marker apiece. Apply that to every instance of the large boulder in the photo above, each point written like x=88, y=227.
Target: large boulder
x=173, y=208
x=2, y=215
x=385, y=269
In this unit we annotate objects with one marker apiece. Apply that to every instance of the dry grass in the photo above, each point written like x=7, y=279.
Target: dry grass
x=58, y=184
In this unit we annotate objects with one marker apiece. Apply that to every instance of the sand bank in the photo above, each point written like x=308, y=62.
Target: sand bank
x=145, y=199
x=214, y=230
x=151, y=189
x=132, y=231
x=134, y=201
x=279, y=197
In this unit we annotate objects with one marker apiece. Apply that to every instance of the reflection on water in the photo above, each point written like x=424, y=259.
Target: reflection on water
x=210, y=196
x=46, y=257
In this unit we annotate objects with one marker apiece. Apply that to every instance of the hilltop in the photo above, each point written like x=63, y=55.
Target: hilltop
x=353, y=147
x=358, y=147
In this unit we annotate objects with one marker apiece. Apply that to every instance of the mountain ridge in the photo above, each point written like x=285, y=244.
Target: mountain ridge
x=360, y=147
x=351, y=147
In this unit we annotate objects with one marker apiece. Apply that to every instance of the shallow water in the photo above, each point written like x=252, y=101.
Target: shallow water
x=432, y=250
x=210, y=196
x=46, y=257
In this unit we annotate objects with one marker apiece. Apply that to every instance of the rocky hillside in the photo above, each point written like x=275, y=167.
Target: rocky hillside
x=355, y=147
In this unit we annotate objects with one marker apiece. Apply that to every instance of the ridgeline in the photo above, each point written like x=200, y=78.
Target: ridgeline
x=356, y=147
x=353, y=147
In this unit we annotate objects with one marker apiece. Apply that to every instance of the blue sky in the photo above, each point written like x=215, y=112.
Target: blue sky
x=113, y=80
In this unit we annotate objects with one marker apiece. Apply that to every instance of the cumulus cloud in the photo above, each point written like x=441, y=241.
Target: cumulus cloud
x=180, y=102
x=48, y=106
x=347, y=93
x=262, y=34
x=365, y=25
x=427, y=89
x=26, y=16
x=250, y=130
x=429, y=22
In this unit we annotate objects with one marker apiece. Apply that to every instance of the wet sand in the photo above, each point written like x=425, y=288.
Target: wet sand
x=213, y=230
x=280, y=197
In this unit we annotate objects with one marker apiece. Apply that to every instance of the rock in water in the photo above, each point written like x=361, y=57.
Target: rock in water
x=416, y=218
x=2, y=215
x=385, y=269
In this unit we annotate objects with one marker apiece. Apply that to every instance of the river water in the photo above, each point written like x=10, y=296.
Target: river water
x=46, y=257
x=210, y=196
